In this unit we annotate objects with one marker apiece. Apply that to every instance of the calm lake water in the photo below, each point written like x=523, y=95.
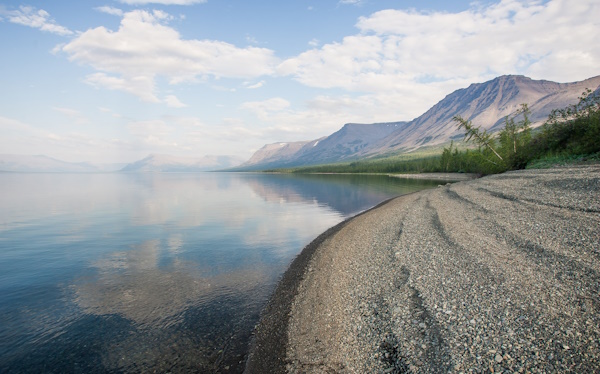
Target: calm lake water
x=155, y=272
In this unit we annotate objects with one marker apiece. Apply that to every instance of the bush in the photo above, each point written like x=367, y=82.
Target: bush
x=574, y=130
x=571, y=134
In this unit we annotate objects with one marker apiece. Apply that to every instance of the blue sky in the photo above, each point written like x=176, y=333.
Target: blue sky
x=112, y=81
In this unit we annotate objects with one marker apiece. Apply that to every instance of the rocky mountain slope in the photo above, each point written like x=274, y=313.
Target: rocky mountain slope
x=485, y=104
x=343, y=144
x=277, y=153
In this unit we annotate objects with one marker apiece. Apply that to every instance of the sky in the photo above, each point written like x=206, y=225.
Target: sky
x=113, y=81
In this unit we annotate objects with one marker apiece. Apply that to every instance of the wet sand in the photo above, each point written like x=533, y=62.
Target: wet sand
x=499, y=273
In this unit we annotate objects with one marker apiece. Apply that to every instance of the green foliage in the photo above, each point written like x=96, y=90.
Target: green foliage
x=571, y=134
x=514, y=139
x=550, y=161
x=424, y=164
x=574, y=130
x=496, y=153
x=481, y=138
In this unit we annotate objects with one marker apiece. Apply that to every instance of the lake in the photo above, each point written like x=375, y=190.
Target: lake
x=155, y=272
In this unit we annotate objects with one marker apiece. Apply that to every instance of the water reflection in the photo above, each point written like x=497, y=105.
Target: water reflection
x=132, y=285
x=345, y=194
x=154, y=272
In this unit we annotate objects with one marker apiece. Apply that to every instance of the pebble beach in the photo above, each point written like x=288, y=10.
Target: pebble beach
x=497, y=274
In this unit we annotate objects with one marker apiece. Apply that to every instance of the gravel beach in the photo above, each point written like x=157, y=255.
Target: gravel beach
x=498, y=274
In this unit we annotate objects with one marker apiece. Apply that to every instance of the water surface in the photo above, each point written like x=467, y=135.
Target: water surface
x=155, y=272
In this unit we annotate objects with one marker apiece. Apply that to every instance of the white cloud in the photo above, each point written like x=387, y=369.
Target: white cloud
x=73, y=114
x=408, y=54
x=163, y=2
x=145, y=47
x=263, y=108
x=251, y=39
x=140, y=85
x=110, y=112
x=110, y=10
x=256, y=85
x=351, y=2
x=38, y=19
x=323, y=115
x=173, y=102
x=152, y=133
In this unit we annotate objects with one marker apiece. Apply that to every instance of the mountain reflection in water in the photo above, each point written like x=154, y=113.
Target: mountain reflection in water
x=155, y=272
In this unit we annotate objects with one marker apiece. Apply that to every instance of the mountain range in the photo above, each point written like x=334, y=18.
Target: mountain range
x=168, y=163
x=152, y=163
x=41, y=163
x=485, y=104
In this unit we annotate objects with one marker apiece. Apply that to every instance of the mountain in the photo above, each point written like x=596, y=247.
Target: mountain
x=485, y=104
x=345, y=143
x=167, y=163
x=42, y=164
x=276, y=153
x=341, y=145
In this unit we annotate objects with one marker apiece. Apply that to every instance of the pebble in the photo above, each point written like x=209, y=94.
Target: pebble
x=490, y=275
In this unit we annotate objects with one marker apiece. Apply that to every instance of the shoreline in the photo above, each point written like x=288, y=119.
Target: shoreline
x=268, y=345
x=504, y=259
x=455, y=177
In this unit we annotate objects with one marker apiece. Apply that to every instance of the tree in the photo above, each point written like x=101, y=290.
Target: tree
x=514, y=138
x=481, y=138
x=446, y=159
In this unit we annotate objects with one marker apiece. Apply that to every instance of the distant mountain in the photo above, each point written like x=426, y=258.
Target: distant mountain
x=167, y=163
x=485, y=104
x=152, y=163
x=276, y=153
x=42, y=164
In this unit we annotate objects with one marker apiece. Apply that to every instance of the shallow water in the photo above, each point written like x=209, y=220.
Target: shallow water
x=155, y=272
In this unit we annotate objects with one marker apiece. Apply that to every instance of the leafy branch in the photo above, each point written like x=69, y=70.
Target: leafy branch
x=481, y=138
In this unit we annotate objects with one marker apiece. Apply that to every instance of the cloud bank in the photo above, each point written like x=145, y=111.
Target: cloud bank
x=404, y=57
x=554, y=40
x=145, y=47
x=412, y=56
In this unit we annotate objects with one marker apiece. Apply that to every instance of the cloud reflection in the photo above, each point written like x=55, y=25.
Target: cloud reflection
x=132, y=285
x=174, y=265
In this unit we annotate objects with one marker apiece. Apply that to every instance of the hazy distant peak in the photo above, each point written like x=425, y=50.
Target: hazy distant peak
x=45, y=164
x=170, y=163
